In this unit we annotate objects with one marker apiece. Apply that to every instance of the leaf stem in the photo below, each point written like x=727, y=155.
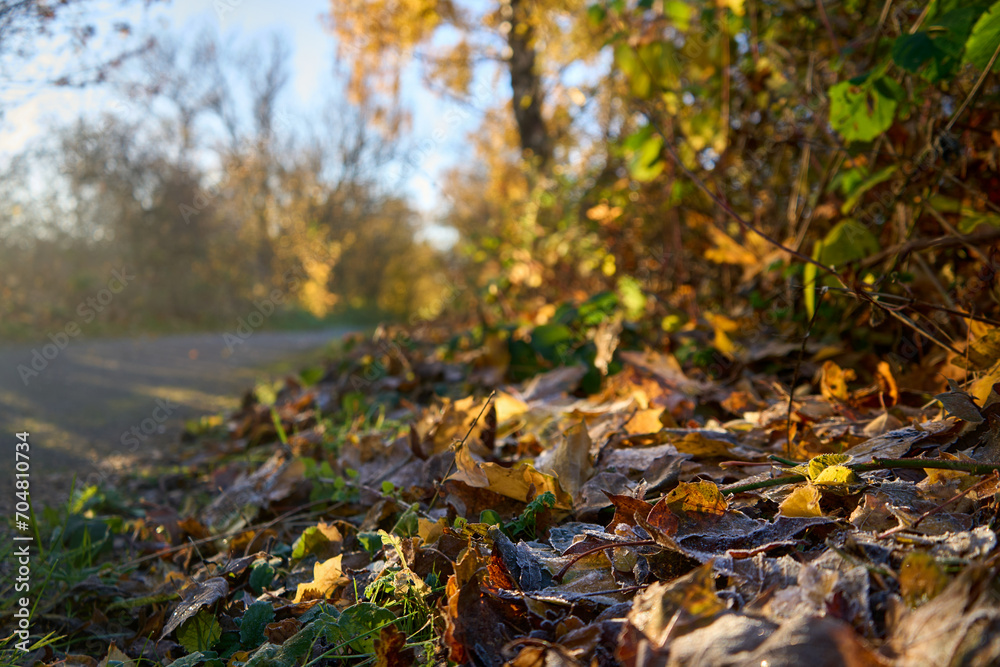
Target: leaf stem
x=877, y=464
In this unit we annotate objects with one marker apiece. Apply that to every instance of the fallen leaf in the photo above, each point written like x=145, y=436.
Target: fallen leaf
x=803, y=501
x=327, y=576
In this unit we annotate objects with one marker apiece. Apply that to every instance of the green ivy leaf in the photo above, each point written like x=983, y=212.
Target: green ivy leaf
x=189, y=660
x=358, y=626
x=911, y=51
x=255, y=619
x=261, y=577
x=862, y=110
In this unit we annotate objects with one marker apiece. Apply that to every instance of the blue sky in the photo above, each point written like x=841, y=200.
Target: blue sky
x=311, y=64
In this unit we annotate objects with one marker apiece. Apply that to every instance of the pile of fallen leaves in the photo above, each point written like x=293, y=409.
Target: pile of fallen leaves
x=406, y=505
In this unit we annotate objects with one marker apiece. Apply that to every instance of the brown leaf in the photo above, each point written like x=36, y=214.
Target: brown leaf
x=958, y=627
x=661, y=518
x=201, y=595
x=569, y=461
x=626, y=509
x=390, y=648
x=280, y=631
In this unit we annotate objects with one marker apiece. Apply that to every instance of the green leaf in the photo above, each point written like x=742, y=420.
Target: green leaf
x=596, y=309
x=847, y=242
x=261, y=577
x=639, y=81
x=861, y=110
x=911, y=51
x=311, y=376
x=984, y=39
x=972, y=219
x=312, y=540
x=490, y=518
x=523, y=361
x=646, y=163
x=880, y=176
x=632, y=297
x=255, y=619
x=358, y=626
x=289, y=654
x=942, y=42
x=200, y=632
x=678, y=13
x=596, y=15
x=372, y=542
x=190, y=660
x=551, y=340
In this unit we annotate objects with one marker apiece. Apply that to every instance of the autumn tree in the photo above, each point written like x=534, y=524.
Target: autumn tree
x=530, y=41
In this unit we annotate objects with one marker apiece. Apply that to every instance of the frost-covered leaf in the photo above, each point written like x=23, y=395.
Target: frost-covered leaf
x=803, y=501
x=255, y=620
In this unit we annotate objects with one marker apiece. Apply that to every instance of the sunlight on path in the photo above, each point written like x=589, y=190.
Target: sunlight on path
x=101, y=405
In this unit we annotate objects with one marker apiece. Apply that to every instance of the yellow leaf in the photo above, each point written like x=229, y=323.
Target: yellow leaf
x=703, y=497
x=735, y=5
x=723, y=326
x=327, y=576
x=644, y=421
x=833, y=382
x=508, y=406
x=802, y=502
x=701, y=446
x=820, y=463
x=920, y=578
x=430, y=531
x=887, y=384
x=517, y=483
x=983, y=387
x=836, y=475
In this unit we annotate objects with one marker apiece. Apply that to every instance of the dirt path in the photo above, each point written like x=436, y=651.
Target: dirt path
x=97, y=406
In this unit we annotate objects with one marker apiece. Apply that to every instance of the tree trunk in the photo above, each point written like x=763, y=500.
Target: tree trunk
x=527, y=87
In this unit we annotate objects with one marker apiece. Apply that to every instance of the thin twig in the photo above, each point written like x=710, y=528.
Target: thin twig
x=795, y=377
x=910, y=301
x=440, y=483
x=876, y=464
x=826, y=23
x=913, y=325
x=901, y=527
x=610, y=545
x=975, y=89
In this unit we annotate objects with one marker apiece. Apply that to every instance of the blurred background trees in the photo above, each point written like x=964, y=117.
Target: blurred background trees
x=863, y=135
x=201, y=183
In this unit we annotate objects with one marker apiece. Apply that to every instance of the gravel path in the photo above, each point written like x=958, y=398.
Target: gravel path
x=94, y=407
